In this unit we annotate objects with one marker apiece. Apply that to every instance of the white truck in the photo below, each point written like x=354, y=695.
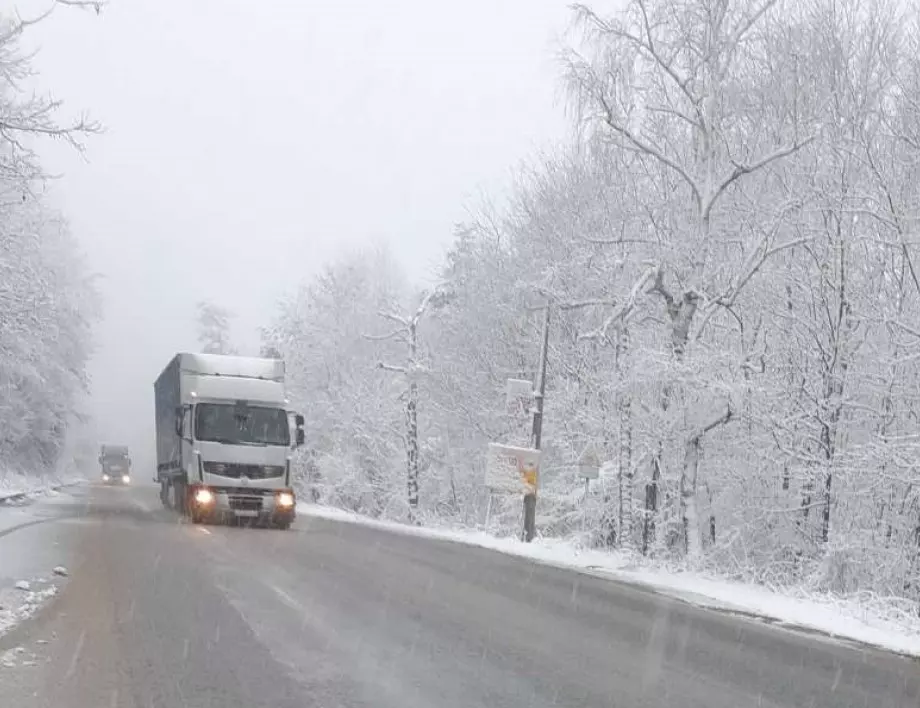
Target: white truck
x=116, y=464
x=224, y=439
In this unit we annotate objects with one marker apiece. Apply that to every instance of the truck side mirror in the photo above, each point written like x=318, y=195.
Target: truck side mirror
x=298, y=420
x=179, y=415
x=100, y=459
x=300, y=437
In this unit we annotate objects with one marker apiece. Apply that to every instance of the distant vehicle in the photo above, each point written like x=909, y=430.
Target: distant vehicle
x=224, y=439
x=116, y=464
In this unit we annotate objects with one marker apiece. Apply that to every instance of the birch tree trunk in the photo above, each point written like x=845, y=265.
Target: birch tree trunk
x=412, y=447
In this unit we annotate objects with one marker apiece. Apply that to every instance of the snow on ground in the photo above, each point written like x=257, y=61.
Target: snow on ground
x=30, y=551
x=17, y=605
x=13, y=485
x=879, y=625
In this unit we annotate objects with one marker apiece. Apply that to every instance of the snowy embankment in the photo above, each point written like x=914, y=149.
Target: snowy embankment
x=20, y=598
x=16, y=487
x=20, y=602
x=877, y=624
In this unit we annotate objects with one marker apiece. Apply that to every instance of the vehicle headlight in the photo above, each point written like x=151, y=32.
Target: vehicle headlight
x=125, y=478
x=105, y=478
x=285, y=500
x=204, y=497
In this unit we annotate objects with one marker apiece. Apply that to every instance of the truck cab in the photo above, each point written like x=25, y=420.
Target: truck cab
x=115, y=462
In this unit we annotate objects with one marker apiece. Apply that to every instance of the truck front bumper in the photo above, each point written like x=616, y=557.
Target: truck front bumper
x=277, y=506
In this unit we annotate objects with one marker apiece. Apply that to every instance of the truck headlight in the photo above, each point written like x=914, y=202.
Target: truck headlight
x=285, y=500
x=125, y=479
x=105, y=478
x=204, y=497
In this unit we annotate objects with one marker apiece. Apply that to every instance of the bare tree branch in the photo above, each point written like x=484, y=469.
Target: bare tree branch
x=390, y=367
x=384, y=337
x=650, y=150
x=741, y=170
x=623, y=311
x=393, y=317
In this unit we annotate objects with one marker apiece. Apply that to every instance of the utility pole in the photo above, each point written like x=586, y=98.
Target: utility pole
x=530, y=500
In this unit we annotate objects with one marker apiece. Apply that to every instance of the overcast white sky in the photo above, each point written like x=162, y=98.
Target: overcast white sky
x=250, y=142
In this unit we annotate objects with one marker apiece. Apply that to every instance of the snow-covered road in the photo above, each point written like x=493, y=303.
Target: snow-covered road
x=162, y=613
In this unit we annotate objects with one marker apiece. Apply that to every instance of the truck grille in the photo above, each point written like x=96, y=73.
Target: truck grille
x=241, y=503
x=237, y=471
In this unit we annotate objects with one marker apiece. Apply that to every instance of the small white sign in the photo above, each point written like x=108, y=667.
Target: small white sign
x=518, y=396
x=512, y=470
x=589, y=463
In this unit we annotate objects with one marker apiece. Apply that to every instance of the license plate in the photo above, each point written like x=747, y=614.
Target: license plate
x=246, y=513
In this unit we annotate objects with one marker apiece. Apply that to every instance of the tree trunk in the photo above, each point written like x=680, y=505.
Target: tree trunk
x=626, y=474
x=624, y=451
x=691, y=519
x=412, y=448
x=412, y=424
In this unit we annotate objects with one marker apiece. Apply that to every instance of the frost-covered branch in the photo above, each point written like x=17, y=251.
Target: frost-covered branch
x=741, y=170
x=622, y=312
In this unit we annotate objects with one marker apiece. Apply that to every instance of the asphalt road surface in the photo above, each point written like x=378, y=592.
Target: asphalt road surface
x=162, y=614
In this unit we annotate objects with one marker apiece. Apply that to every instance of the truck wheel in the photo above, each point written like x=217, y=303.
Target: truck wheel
x=283, y=525
x=164, y=493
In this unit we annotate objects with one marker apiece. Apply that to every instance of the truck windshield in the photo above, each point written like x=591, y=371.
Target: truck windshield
x=252, y=425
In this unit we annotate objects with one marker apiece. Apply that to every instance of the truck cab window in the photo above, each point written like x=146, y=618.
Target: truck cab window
x=252, y=425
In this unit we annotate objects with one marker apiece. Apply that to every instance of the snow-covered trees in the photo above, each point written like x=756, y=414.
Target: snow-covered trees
x=332, y=338
x=214, y=328
x=729, y=251
x=47, y=301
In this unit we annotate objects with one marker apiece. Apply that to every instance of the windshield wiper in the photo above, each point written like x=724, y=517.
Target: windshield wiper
x=233, y=441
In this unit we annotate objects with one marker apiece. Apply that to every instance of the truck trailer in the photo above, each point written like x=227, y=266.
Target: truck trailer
x=224, y=439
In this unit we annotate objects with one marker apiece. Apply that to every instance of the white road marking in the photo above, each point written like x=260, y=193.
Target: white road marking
x=76, y=655
x=286, y=598
x=204, y=530
x=140, y=504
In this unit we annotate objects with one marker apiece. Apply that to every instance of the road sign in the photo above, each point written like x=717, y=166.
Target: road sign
x=518, y=396
x=512, y=470
x=589, y=464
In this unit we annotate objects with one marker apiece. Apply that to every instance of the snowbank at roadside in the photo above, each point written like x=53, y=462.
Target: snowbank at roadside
x=20, y=602
x=14, y=486
x=878, y=624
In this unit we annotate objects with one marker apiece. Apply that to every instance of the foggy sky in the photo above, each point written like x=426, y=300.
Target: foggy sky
x=249, y=143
